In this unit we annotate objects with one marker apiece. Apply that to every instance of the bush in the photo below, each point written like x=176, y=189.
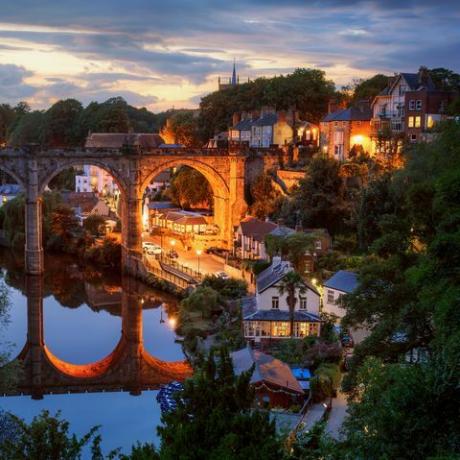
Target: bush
x=325, y=382
x=231, y=288
x=107, y=254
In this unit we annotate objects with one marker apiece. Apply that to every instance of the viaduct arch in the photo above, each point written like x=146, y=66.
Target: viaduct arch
x=132, y=170
x=128, y=367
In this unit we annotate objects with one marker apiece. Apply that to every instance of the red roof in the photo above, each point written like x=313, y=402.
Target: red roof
x=256, y=228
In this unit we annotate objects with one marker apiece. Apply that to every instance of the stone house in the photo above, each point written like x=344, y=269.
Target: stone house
x=346, y=131
x=268, y=317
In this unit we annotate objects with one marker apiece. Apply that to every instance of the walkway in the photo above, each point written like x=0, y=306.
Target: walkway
x=337, y=415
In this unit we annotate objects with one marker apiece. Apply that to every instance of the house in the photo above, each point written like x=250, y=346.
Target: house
x=86, y=203
x=268, y=316
x=183, y=222
x=407, y=108
x=273, y=381
x=95, y=179
x=342, y=282
x=250, y=237
x=346, y=132
x=322, y=245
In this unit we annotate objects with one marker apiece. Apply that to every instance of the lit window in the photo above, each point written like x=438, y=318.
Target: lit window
x=330, y=296
x=429, y=122
x=303, y=303
x=276, y=303
x=410, y=122
x=418, y=105
x=418, y=121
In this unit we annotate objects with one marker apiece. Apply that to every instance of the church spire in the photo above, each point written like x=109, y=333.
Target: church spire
x=234, y=82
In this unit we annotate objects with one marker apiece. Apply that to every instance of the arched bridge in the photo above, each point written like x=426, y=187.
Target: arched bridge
x=133, y=171
x=129, y=367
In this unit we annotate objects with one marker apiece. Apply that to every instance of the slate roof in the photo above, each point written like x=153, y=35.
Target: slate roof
x=266, y=369
x=350, y=114
x=243, y=125
x=282, y=315
x=161, y=205
x=85, y=201
x=343, y=280
x=268, y=119
x=118, y=140
x=274, y=273
x=282, y=230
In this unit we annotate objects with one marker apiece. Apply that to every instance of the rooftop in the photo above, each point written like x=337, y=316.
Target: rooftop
x=350, y=114
x=282, y=315
x=118, y=140
x=343, y=280
x=256, y=228
x=267, y=369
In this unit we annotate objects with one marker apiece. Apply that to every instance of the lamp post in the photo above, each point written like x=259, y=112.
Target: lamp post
x=198, y=253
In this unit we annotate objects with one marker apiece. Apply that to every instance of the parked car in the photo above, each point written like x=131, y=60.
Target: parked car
x=151, y=248
x=172, y=254
x=222, y=275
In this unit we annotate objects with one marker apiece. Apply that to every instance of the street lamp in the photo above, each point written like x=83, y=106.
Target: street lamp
x=198, y=253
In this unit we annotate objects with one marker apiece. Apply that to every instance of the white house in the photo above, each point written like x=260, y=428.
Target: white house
x=95, y=179
x=269, y=317
x=342, y=282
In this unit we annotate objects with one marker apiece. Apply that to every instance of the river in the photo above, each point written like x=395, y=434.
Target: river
x=84, y=315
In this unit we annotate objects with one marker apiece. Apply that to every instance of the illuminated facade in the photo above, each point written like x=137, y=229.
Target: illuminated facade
x=346, y=133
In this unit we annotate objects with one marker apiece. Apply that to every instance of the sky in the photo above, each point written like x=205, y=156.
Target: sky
x=169, y=53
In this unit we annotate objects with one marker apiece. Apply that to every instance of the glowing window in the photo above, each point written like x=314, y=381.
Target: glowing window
x=410, y=122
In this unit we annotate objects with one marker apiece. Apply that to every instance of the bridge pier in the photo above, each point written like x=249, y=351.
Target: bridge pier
x=35, y=337
x=34, y=264
x=131, y=258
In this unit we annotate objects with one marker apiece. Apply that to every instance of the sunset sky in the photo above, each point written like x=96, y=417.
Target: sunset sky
x=170, y=53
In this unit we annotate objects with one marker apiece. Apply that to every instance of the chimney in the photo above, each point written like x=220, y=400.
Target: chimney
x=423, y=76
x=236, y=118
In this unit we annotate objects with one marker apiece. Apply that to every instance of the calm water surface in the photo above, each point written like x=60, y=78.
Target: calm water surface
x=82, y=323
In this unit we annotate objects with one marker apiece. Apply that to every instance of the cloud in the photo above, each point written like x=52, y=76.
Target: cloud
x=176, y=49
x=13, y=88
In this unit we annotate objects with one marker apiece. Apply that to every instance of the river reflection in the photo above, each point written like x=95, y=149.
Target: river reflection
x=87, y=341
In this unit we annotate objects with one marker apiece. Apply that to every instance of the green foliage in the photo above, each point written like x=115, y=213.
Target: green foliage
x=46, y=437
x=230, y=288
x=107, y=254
x=141, y=452
x=65, y=180
x=63, y=223
x=190, y=188
x=204, y=300
x=94, y=224
x=325, y=382
x=60, y=124
x=184, y=127
x=263, y=196
x=28, y=129
x=305, y=89
x=367, y=89
x=215, y=420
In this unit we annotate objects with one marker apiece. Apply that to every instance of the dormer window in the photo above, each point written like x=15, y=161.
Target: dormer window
x=303, y=303
x=275, y=303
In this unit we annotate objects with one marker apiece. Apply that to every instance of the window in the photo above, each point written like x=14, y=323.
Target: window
x=318, y=245
x=413, y=138
x=276, y=303
x=330, y=296
x=300, y=329
x=429, y=122
x=281, y=329
x=410, y=122
x=418, y=104
x=411, y=104
x=303, y=303
x=418, y=121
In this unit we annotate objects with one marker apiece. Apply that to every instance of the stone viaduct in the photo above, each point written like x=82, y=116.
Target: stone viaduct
x=129, y=367
x=133, y=170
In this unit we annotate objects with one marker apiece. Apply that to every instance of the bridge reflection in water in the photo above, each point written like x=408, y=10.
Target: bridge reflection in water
x=129, y=367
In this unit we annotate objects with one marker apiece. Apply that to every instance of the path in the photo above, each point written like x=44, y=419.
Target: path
x=337, y=415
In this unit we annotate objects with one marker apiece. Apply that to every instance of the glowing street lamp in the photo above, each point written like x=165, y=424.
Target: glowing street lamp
x=198, y=253
x=172, y=322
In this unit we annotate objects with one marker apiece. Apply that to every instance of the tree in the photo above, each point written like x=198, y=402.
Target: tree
x=47, y=437
x=203, y=299
x=63, y=225
x=95, y=224
x=28, y=129
x=263, y=196
x=190, y=188
x=60, y=124
x=367, y=89
x=215, y=416
x=231, y=288
x=290, y=284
